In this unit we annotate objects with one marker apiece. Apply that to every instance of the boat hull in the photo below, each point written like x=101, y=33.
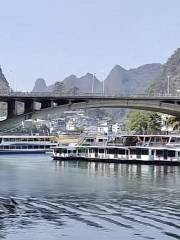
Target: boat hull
x=121, y=161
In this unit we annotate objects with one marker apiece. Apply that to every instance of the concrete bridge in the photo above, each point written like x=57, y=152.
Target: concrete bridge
x=45, y=105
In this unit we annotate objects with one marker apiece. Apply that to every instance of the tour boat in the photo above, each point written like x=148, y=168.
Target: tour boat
x=26, y=144
x=143, y=149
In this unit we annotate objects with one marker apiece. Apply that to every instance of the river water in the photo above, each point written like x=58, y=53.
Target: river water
x=45, y=199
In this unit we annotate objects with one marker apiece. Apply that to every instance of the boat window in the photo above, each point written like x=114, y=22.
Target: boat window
x=131, y=141
x=159, y=152
x=112, y=151
x=59, y=151
x=42, y=139
x=89, y=140
x=175, y=140
x=24, y=147
x=141, y=139
x=144, y=152
x=64, y=150
x=30, y=147
x=82, y=150
x=171, y=153
x=18, y=147
x=47, y=146
x=100, y=140
x=42, y=146
x=138, y=151
x=6, y=147
x=121, y=151
x=35, y=147
x=156, y=139
x=132, y=151
x=165, y=140
x=178, y=154
x=96, y=150
x=153, y=139
x=147, y=139
x=101, y=150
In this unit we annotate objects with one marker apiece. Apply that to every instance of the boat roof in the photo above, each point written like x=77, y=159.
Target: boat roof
x=150, y=135
x=120, y=147
x=24, y=136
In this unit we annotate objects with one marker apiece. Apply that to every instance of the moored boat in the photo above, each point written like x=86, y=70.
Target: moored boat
x=26, y=144
x=141, y=149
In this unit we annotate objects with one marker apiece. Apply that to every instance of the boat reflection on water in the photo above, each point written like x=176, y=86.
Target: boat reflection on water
x=136, y=171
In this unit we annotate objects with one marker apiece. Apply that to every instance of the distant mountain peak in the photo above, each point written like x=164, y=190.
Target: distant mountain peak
x=72, y=76
x=89, y=75
x=118, y=68
x=40, y=85
x=4, y=85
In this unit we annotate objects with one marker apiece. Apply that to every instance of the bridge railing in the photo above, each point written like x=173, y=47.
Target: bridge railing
x=80, y=94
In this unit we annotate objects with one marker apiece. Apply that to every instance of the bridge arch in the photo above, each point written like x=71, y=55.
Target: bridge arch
x=171, y=108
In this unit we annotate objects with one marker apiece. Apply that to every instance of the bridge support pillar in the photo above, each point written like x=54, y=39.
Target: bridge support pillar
x=11, y=108
x=29, y=106
x=46, y=104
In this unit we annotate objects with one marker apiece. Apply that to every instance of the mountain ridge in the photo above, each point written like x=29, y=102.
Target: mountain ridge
x=170, y=72
x=118, y=81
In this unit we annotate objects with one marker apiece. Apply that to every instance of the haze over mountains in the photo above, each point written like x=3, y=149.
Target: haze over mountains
x=150, y=77
x=119, y=81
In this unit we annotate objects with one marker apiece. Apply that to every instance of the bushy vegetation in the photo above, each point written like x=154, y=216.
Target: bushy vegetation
x=143, y=122
x=174, y=122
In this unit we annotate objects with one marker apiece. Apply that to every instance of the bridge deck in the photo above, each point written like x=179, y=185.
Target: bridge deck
x=50, y=96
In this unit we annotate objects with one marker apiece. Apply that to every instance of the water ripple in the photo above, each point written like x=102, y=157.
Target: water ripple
x=125, y=212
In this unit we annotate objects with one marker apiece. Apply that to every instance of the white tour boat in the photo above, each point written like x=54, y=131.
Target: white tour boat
x=144, y=149
x=26, y=144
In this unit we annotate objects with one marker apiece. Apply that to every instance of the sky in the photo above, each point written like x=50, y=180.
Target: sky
x=53, y=39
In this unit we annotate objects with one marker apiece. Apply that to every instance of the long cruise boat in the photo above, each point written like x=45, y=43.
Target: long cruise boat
x=26, y=144
x=134, y=149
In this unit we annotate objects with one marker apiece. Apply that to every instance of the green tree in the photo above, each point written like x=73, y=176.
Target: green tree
x=154, y=122
x=143, y=122
x=174, y=122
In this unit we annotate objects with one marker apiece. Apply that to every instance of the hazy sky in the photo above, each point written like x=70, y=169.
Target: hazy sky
x=55, y=38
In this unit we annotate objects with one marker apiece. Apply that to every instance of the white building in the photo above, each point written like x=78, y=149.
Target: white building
x=165, y=126
x=116, y=128
x=103, y=128
x=70, y=125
